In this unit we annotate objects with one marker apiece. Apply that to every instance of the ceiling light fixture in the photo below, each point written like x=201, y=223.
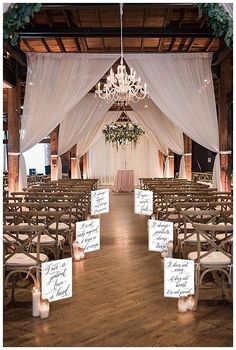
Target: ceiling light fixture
x=122, y=87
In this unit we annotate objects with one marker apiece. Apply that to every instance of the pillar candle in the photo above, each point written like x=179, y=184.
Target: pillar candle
x=182, y=304
x=35, y=301
x=190, y=302
x=170, y=249
x=44, y=308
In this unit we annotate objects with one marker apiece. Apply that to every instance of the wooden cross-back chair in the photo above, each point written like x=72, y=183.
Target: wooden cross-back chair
x=216, y=259
x=186, y=235
x=19, y=255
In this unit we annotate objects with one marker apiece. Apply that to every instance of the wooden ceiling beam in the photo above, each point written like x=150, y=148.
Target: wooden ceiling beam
x=82, y=41
x=46, y=45
x=221, y=54
x=87, y=6
x=100, y=23
x=83, y=32
x=15, y=53
x=60, y=44
x=49, y=18
x=69, y=25
x=190, y=45
x=172, y=44
x=181, y=45
x=181, y=19
x=28, y=45
x=208, y=46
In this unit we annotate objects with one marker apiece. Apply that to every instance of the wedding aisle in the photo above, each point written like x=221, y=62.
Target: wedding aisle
x=118, y=298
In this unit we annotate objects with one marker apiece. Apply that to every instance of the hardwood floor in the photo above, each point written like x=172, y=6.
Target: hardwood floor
x=118, y=298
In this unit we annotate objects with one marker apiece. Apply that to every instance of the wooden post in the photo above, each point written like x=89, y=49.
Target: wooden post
x=13, y=137
x=73, y=162
x=161, y=162
x=224, y=115
x=54, y=153
x=85, y=166
x=188, y=157
x=171, y=164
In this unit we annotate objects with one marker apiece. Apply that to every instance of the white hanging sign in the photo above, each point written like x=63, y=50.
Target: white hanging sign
x=178, y=277
x=88, y=235
x=159, y=233
x=56, y=279
x=99, y=202
x=143, y=202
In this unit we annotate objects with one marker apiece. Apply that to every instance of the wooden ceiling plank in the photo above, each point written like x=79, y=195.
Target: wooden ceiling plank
x=190, y=45
x=46, y=45
x=100, y=23
x=78, y=45
x=60, y=44
x=167, y=18
x=67, y=18
x=145, y=15
x=28, y=45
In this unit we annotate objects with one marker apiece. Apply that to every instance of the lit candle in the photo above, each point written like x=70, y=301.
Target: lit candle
x=35, y=301
x=78, y=252
x=182, y=304
x=164, y=253
x=190, y=302
x=153, y=217
x=44, y=308
x=99, y=85
x=170, y=249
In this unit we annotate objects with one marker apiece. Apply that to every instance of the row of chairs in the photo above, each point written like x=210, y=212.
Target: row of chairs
x=39, y=225
x=203, y=225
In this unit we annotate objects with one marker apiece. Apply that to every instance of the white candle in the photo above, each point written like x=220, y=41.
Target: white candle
x=153, y=217
x=44, y=309
x=35, y=301
x=76, y=254
x=164, y=253
x=190, y=302
x=182, y=304
x=170, y=249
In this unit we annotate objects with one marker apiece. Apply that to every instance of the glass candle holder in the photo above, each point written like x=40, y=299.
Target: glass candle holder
x=36, y=294
x=182, y=304
x=190, y=302
x=44, y=308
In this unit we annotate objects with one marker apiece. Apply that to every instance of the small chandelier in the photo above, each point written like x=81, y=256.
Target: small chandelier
x=122, y=87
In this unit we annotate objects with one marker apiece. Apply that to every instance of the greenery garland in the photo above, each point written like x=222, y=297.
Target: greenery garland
x=17, y=17
x=122, y=133
x=219, y=20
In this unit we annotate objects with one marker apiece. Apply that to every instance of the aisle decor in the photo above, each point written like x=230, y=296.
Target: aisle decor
x=100, y=202
x=88, y=235
x=120, y=133
x=159, y=234
x=143, y=202
x=56, y=279
x=178, y=277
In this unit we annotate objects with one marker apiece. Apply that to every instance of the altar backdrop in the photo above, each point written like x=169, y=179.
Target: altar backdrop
x=104, y=160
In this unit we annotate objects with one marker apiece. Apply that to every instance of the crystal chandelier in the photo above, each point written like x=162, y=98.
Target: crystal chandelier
x=122, y=87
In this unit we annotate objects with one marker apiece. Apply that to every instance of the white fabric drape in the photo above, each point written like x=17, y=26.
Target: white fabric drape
x=104, y=160
x=228, y=8
x=79, y=120
x=181, y=86
x=95, y=132
x=55, y=84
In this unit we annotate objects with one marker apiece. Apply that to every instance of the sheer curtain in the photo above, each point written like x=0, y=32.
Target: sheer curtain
x=104, y=160
x=168, y=135
x=181, y=86
x=55, y=84
x=79, y=120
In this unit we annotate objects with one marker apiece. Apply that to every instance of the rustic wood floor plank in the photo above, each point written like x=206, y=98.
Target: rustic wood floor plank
x=118, y=298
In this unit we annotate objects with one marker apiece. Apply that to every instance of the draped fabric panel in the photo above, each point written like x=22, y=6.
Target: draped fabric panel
x=55, y=84
x=104, y=160
x=79, y=120
x=181, y=86
x=95, y=133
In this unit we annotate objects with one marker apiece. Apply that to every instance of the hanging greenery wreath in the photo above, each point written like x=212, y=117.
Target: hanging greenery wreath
x=122, y=133
x=219, y=20
x=17, y=16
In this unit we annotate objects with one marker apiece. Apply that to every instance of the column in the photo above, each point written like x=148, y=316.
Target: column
x=13, y=137
x=224, y=120
x=188, y=157
x=85, y=166
x=161, y=162
x=171, y=163
x=54, y=153
x=73, y=163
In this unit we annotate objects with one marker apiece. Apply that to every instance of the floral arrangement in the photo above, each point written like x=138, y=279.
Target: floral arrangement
x=219, y=20
x=17, y=16
x=122, y=133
